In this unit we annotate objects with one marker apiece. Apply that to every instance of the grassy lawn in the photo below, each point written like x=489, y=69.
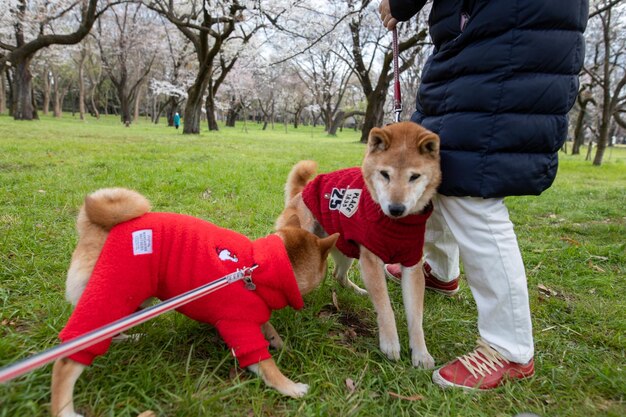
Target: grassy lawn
x=573, y=238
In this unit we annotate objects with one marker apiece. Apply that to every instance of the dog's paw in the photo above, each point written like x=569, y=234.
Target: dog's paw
x=276, y=342
x=70, y=414
x=391, y=349
x=296, y=390
x=423, y=360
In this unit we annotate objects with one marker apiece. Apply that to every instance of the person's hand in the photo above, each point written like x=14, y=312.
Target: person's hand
x=385, y=15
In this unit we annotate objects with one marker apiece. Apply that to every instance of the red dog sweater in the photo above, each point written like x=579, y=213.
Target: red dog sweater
x=341, y=203
x=163, y=255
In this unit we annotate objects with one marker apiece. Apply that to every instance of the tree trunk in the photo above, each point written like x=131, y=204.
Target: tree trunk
x=81, y=90
x=210, y=111
x=193, y=109
x=579, y=133
x=125, y=106
x=46, y=91
x=3, y=94
x=584, y=99
x=233, y=112
x=602, y=141
x=374, y=112
x=589, y=149
x=171, y=111
x=340, y=117
x=94, y=105
x=23, y=107
x=137, y=103
x=56, y=108
x=106, y=102
x=158, y=110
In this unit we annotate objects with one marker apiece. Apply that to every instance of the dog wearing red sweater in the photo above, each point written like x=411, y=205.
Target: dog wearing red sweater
x=127, y=255
x=380, y=211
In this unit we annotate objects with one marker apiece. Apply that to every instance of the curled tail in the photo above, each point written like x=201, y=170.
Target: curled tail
x=298, y=177
x=110, y=206
x=102, y=210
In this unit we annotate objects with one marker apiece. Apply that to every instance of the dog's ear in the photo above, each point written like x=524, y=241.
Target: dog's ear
x=293, y=221
x=428, y=144
x=378, y=140
x=327, y=244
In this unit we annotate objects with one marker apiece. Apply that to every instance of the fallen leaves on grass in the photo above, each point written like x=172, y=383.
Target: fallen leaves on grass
x=571, y=241
x=350, y=385
x=206, y=194
x=595, y=267
x=335, y=302
x=548, y=292
x=148, y=413
x=415, y=397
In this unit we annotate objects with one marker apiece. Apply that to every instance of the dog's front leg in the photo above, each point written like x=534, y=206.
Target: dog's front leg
x=413, y=285
x=271, y=335
x=272, y=377
x=376, y=285
x=65, y=372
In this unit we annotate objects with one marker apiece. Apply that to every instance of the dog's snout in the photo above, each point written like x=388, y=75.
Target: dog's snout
x=396, y=210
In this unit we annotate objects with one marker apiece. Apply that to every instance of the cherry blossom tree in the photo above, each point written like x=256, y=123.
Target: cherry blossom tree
x=29, y=26
x=604, y=72
x=173, y=75
x=371, y=56
x=207, y=25
x=128, y=45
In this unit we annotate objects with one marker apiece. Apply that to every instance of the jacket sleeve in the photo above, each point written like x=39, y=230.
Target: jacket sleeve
x=403, y=10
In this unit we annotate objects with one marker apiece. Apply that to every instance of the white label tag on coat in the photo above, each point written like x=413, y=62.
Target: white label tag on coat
x=142, y=242
x=350, y=202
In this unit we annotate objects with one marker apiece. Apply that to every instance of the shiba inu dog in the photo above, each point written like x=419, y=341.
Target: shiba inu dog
x=126, y=255
x=380, y=210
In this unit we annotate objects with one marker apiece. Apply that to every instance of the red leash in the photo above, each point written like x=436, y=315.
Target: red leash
x=107, y=331
x=397, y=96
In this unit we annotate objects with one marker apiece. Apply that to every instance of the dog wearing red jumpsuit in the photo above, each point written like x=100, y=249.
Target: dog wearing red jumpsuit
x=126, y=255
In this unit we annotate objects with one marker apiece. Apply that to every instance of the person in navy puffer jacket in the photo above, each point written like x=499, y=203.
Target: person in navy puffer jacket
x=497, y=89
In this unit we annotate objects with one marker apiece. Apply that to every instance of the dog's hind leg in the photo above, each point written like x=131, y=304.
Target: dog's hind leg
x=271, y=335
x=65, y=372
x=413, y=285
x=342, y=265
x=374, y=278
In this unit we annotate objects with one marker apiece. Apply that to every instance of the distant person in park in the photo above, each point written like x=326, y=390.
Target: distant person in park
x=176, y=120
x=497, y=89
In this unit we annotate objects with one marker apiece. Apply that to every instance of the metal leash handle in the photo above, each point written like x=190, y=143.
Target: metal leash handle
x=109, y=330
x=397, y=95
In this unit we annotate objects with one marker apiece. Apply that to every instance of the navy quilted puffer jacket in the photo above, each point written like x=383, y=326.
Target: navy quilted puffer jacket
x=497, y=89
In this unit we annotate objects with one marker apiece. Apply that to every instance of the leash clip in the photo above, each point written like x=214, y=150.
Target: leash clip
x=244, y=274
x=248, y=282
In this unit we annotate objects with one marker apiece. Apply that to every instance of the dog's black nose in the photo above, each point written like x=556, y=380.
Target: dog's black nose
x=396, y=210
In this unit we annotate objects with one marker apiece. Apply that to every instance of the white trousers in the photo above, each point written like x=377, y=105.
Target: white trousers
x=480, y=232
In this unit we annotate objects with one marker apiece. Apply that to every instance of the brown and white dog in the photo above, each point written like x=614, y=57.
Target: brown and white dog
x=380, y=211
x=126, y=255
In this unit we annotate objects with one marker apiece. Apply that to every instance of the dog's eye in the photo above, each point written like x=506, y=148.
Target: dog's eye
x=414, y=177
x=385, y=175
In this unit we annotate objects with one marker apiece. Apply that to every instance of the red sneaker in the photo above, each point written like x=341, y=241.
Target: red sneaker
x=482, y=369
x=394, y=273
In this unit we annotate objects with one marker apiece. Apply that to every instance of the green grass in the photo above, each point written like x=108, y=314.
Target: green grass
x=572, y=237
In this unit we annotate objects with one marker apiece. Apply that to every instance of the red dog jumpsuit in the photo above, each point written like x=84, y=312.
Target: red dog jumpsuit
x=163, y=255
